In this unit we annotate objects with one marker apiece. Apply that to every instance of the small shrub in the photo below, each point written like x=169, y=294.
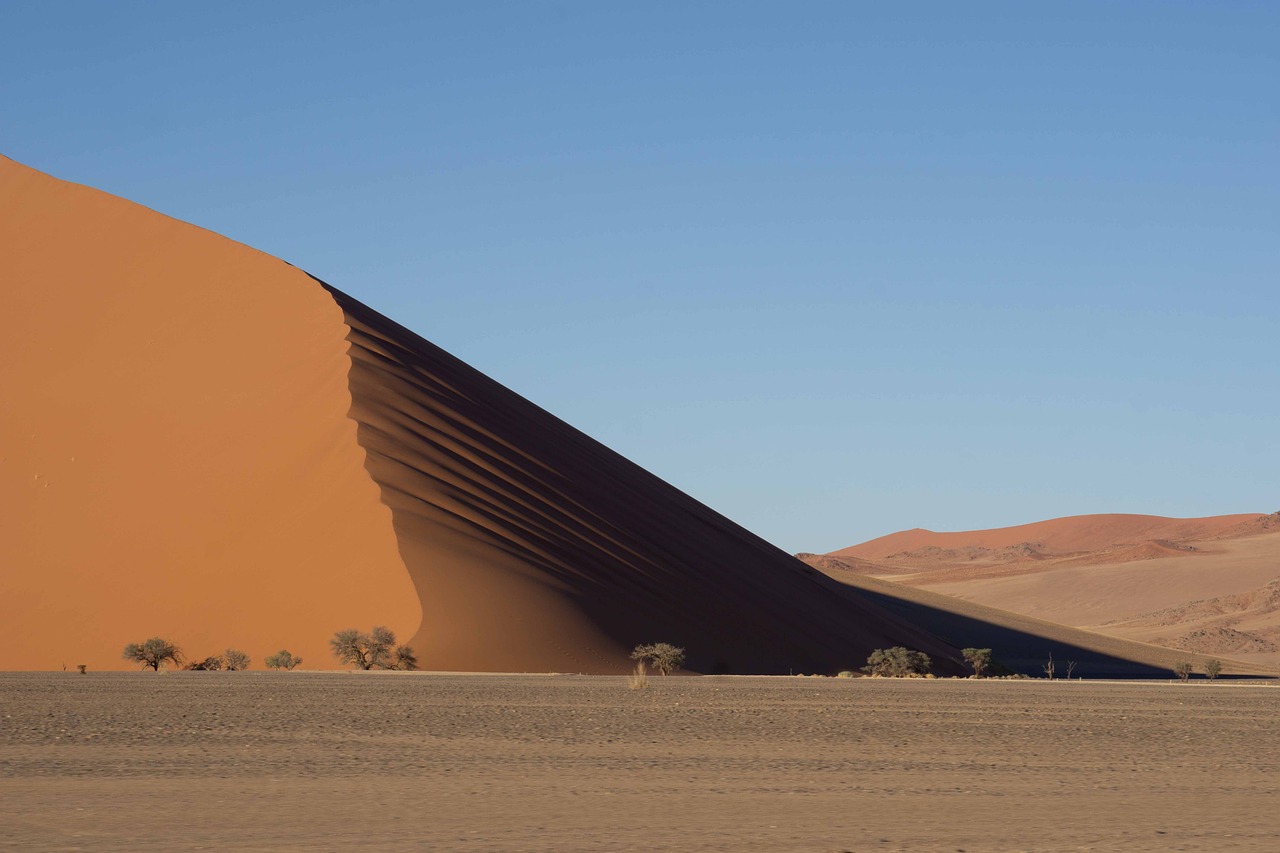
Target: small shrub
x=282, y=659
x=235, y=659
x=1213, y=668
x=897, y=662
x=1183, y=669
x=663, y=657
x=153, y=653
x=979, y=659
x=82, y=668
x=639, y=677
x=846, y=673
x=209, y=664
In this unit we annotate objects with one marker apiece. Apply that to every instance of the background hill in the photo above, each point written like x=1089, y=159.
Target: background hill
x=1203, y=584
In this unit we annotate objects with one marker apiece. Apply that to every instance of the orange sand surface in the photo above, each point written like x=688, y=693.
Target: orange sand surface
x=205, y=443
x=175, y=456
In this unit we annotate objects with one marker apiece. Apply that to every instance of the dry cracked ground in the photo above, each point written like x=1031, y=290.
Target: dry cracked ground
x=339, y=761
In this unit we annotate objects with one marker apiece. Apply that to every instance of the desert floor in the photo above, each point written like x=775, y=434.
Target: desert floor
x=338, y=761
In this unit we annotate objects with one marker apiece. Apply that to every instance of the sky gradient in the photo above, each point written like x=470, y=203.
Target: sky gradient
x=834, y=269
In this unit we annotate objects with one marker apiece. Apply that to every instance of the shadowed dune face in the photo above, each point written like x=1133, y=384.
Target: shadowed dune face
x=204, y=443
x=535, y=547
x=175, y=456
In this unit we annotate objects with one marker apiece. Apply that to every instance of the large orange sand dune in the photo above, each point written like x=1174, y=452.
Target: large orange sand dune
x=200, y=441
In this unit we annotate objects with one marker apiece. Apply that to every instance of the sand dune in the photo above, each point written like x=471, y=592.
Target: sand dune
x=176, y=456
x=1026, y=644
x=1198, y=584
x=1245, y=623
x=533, y=545
x=1056, y=536
x=203, y=442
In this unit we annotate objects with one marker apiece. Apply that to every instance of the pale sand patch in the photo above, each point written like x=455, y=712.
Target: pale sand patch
x=1194, y=583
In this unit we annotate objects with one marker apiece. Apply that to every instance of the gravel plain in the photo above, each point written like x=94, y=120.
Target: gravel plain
x=341, y=761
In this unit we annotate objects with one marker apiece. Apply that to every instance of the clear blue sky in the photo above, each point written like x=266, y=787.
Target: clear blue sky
x=835, y=269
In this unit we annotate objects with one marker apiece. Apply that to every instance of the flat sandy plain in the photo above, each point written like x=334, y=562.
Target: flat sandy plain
x=338, y=761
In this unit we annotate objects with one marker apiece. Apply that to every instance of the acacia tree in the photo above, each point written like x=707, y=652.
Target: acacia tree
x=235, y=659
x=663, y=657
x=374, y=650
x=979, y=659
x=1213, y=668
x=897, y=662
x=153, y=652
x=1183, y=669
x=282, y=659
x=405, y=659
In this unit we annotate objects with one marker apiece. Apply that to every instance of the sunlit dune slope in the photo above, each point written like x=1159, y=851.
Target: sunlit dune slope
x=175, y=456
x=202, y=442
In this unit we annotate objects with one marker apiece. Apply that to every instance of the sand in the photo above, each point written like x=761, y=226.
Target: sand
x=205, y=443
x=1206, y=585
x=176, y=457
x=534, y=547
x=113, y=761
x=1055, y=536
x=1027, y=645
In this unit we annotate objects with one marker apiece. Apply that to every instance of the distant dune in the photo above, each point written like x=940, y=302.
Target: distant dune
x=1026, y=644
x=200, y=441
x=1206, y=585
x=1069, y=535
